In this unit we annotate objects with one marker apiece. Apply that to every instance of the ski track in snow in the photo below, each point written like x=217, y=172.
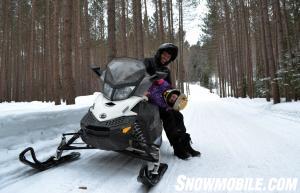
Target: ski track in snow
x=236, y=139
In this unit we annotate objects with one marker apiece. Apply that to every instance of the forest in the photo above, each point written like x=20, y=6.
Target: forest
x=255, y=48
x=248, y=48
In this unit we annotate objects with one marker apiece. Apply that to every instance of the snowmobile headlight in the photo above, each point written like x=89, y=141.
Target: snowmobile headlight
x=107, y=90
x=123, y=93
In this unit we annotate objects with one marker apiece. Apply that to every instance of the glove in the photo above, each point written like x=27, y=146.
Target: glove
x=159, y=82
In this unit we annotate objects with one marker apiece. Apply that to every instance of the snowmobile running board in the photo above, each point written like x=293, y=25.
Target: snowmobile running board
x=140, y=155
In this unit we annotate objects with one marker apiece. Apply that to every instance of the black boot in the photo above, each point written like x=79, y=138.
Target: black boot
x=188, y=147
x=179, y=148
x=181, y=152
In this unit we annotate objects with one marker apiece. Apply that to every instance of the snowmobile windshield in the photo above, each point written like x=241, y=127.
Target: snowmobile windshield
x=121, y=78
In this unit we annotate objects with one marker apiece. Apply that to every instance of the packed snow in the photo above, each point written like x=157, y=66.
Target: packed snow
x=237, y=138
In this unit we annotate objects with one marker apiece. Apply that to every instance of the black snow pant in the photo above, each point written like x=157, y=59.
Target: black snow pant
x=173, y=124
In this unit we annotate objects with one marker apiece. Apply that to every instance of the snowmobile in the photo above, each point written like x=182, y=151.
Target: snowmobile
x=120, y=120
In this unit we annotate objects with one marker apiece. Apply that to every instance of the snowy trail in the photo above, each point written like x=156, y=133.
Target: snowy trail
x=236, y=139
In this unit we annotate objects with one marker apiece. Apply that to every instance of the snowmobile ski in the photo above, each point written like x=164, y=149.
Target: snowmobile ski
x=49, y=163
x=149, y=179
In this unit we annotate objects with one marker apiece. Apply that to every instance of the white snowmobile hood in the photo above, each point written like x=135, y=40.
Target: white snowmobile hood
x=104, y=109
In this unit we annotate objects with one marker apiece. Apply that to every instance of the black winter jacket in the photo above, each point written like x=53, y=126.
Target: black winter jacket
x=154, y=64
x=152, y=67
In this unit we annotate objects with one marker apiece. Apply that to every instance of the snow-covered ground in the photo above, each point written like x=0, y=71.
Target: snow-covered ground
x=238, y=138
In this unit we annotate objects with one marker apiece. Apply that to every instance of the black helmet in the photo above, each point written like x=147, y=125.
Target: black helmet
x=168, y=47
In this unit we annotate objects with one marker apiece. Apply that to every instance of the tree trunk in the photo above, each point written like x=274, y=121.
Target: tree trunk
x=31, y=55
x=146, y=29
x=281, y=49
x=135, y=28
x=111, y=29
x=18, y=49
x=230, y=62
x=161, y=22
x=140, y=35
x=156, y=19
x=4, y=53
x=248, y=60
x=181, y=67
x=87, y=49
x=67, y=68
x=48, y=52
x=56, y=64
x=170, y=30
x=268, y=38
x=123, y=29
x=77, y=47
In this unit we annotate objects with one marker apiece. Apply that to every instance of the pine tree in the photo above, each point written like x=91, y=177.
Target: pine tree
x=67, y=67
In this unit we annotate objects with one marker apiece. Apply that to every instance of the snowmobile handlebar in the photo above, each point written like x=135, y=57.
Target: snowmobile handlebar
x=96, y=69
x=158, y=75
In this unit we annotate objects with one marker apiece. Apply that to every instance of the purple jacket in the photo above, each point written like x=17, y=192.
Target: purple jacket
x=156, y=91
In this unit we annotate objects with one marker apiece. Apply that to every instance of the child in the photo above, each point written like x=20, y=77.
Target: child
x=162, y=95
x=170, y=102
